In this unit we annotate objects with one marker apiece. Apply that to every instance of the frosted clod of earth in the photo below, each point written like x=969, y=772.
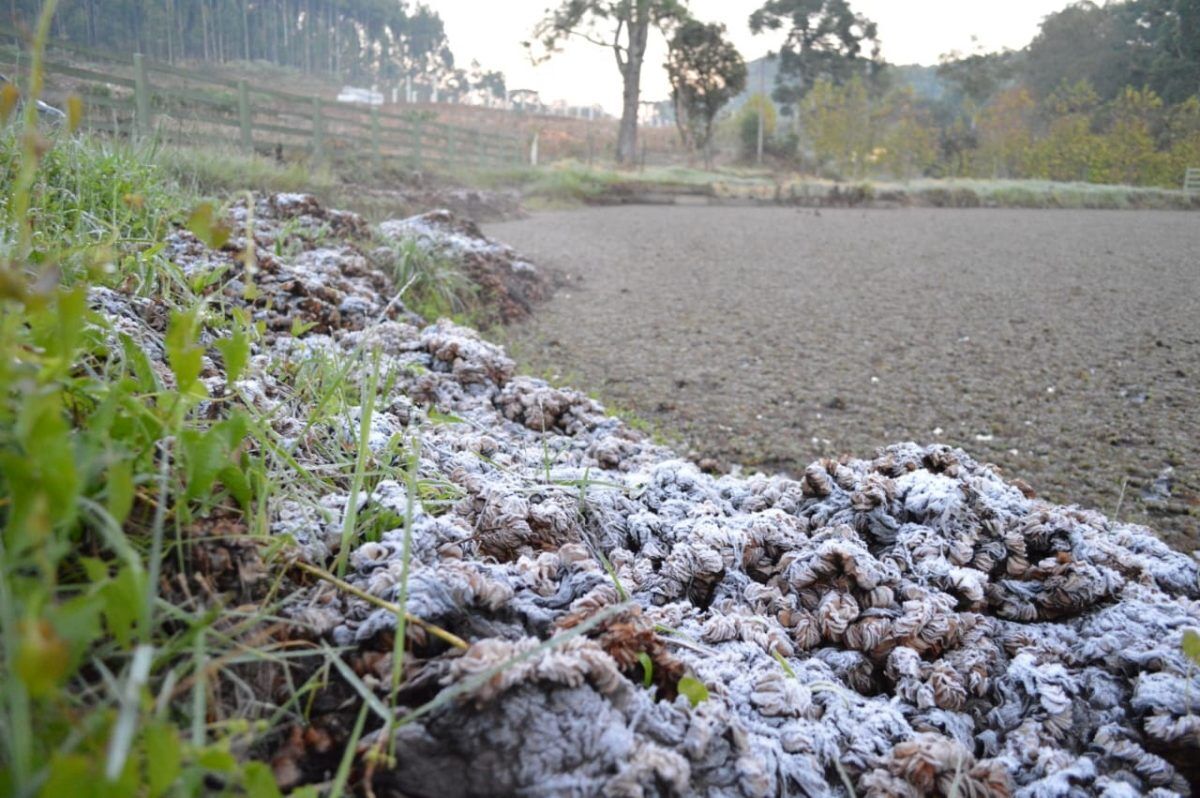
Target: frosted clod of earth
x=910, y=624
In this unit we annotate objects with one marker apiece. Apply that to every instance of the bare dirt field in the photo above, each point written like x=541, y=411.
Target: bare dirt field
x=1063, y=346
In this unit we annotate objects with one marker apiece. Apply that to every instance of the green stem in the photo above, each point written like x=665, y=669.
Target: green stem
x=367, y=409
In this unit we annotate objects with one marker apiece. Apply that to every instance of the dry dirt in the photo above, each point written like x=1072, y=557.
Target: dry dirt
x=1063, y=346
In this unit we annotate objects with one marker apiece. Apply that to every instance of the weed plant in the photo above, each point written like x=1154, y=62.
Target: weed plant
x=122, y=670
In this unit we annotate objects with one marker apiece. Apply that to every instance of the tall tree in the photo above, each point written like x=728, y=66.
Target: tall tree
x=706, y=72
x=371, y=40
x=826, y=40
x=623, y=26
x=1165, y=38
x=1083, y=42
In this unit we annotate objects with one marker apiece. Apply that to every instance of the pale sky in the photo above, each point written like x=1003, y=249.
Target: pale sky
x=912, y=31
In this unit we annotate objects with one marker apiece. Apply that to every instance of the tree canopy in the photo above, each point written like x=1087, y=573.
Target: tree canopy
x=826, y=40
x=1151, y=43
x=706, y=71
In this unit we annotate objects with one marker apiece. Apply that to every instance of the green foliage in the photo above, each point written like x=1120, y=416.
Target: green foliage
x=222, y=170
x=647, y=668
x=430, y=285
x=693, y=689
x=1149, y=43
x=82, y=424
x=99, y=192
x=369, y=42
x=838, y=120
x=824, y=40
x=706, y=72
x=747, y=122
x=103, y=460
x=1191, y=645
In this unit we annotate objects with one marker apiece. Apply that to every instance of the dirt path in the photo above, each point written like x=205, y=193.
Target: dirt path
x=1064, y=346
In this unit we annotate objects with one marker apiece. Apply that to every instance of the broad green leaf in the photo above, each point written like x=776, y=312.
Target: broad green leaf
x=204, y=455
x=259, y=781
x=238, y=485
x=95, y=568
x=60, y=335
x=207, y=227
x=647, y=668
x=164, y=757
x=45, y=470
x=1191, y=645
x=139, y=363
x=77, y=622
x=70, y=776
x=235, y=350
x=184, y=355
x=43, y=657
x=122, y=599
x=694, y=689
x=216, y=759
x=119, y=484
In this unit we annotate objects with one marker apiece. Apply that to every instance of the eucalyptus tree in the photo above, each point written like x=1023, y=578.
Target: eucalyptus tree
x=381, y=40
x=623, y=26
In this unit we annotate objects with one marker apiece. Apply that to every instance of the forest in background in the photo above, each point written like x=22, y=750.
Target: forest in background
x=1103, y=94
x=387, y=43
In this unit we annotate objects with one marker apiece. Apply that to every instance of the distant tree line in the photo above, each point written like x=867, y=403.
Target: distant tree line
x=1102, y=94
x=370, y=41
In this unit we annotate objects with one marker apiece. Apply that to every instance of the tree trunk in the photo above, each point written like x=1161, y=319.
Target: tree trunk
x=204, y=26
x=170, y=26
x=631, y=75
x=286, y=55
x=91, y=21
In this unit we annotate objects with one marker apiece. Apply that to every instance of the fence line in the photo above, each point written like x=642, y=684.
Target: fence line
x=142, y=97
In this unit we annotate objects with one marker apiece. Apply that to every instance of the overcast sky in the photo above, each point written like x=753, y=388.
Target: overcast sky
x=912, y=31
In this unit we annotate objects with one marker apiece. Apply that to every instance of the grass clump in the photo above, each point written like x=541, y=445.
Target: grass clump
x=124, y=664
x=104, y=471
x=561, y=185
x=122, y=667
x=223, y=170
x=429, y=284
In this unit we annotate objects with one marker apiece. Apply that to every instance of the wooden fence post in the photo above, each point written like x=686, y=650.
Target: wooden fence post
x=318, y=139
x=141, y=89
x=244, y=116
x=478, y=150
x=376, y=156
x=417, y=149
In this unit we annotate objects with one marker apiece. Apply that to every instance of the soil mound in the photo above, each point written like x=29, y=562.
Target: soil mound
x=908, y=624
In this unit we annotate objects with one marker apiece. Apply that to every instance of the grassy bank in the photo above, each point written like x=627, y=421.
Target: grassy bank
x=139, y=593
x=570, y=184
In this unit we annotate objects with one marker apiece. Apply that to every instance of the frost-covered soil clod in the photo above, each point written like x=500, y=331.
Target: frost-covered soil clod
x=910, y=624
